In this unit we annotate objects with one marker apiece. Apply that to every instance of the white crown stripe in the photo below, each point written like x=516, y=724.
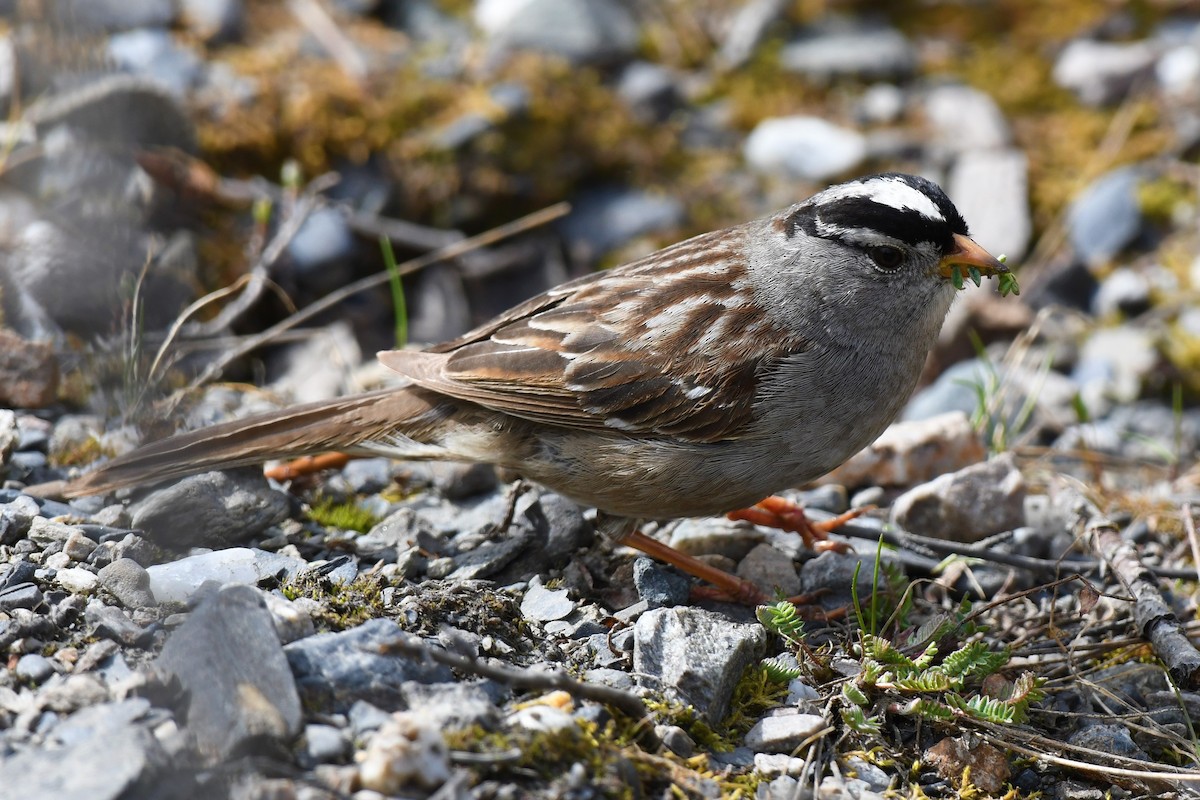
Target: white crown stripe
x=889, y=192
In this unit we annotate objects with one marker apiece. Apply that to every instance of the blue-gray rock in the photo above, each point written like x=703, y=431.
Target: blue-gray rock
x=567, y=529
x=783, y=732
x=956, y=389
x=22, y=595
x=832, y=575
x=215, y=21
x=34, y=667
x=991, y=188
x=659, y=585
x=841, y=48
x=365, y=718
x=1112, y=739
x=240, y=695
x=324, y=238
x=15, y=519
x=156, y=56
x=602, y=220
x=1100, y=73
x=581, y=31
x=333, y=670
x=129, y=582
x=1106, y=217
x=111, y=622
x=110, y=756
x=426, y=23
x=803, y=147
x=1142, y=431
x=214, y=509
x=695, y=656
x=16, y=573
x=368, y=475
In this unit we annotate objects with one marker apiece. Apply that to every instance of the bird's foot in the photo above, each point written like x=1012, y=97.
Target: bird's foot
x=786, y=515
x=307, y=465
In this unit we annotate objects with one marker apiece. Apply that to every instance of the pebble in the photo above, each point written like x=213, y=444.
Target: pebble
x=129, y=582
x=543, y=605
x=784, y=732
x=1105, y=217
x=78, y=547
x=581, y=31
x=111, y=622
x=212, y=509
x=405, y=751
x=323, y=744
x=1123, y=291
x=967, y=505
x=659, y=585
x=29, y=372
x=34, y=668
x=178, y=581
x=22, y=595
x=808, y=148
x=1101, y=73
x=694, y=656
x=156, y=55
x=771, y=569
x=838, y=48
x=962, y=118
x=77, y=580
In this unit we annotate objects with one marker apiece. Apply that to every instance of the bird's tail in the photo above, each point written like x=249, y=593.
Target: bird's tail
x=344, y=424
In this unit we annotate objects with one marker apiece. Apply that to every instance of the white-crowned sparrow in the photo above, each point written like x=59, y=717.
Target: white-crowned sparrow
x=697, y=380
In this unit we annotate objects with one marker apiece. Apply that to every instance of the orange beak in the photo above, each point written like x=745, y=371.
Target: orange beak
x=967, y=254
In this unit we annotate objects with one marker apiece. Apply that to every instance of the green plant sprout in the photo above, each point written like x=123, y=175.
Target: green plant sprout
x=1006, y=281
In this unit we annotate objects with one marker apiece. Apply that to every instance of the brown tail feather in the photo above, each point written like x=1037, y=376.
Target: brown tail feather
x=339, y=424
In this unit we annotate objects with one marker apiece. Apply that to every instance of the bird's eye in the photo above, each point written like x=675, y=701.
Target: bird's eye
x=885, y=257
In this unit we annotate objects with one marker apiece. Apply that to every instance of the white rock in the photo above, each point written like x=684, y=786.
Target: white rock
x=782, y=733
x=177, y=581
x=404, y=752
x=804, y=147
x=1102, y=72
x=991, y=189
x=963, y=118
x=76, y=580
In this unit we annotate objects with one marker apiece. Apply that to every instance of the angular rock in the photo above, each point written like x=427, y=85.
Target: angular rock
x=660, y=586
x=333, y=670
x=695, y=656
x=543, y=605
x=967, y=505
x=407, y=750
x=602, y=220
x=832, y=575
x=213, y=509
x=241, y=698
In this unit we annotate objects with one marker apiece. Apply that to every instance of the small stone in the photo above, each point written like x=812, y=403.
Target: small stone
x=69, y=693
x=543, y=605
x=406, y=751
x=1113, y=739
x=782, y=733
x=659, y=585
x=44, y=532
x=831, y=574
x=1105, y=217
x=34, y=668
x=772, y=765
x=78, y=547
x=840, y=48
x=323, y=744
x=771, y=569
x=1100, y=73
x=964, y=118
x=453, y=705
x=77, y=580
x=177, y=581
x=292, y=621
x=694, y=656
x=157, y=56
x=129, y=582
x=1123, y=291
x=112, y=623
x=675, y=739
x=581, y=31
x=803, y=147
x=215, y=21
x=967, y=505
x=991, y=188
x=746, y=30
x=950, y=756
x=22, y=595
x=16, y=517
x=541, y=719
x=913, y=451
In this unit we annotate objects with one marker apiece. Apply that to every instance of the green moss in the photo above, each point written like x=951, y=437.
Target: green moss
x=1162, y=199
x=80, y=454
x=343, y=605
x=345, y=515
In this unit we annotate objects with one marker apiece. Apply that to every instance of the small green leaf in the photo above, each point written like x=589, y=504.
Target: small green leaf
x=956, y=278
x=976, y=276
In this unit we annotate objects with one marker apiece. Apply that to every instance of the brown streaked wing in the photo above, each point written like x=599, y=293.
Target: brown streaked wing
x=670, y=345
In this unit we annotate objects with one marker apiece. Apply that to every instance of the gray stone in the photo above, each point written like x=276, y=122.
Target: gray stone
x=77, y=580
x=1106, y=217
x=650, y=90
x=770, y=569
x=1112, y=739
x=78, y=547
x=1100, y=73
x=10, y=435
x=178, y=581
x=453, y=705
x=109, y=757
x=694, y=656
x=241, y=699
x=659, y=585
x=581, y=31
x=22, y=595
x=214, y=20
x=215, y=508
x=34, y=668
x=543, y=605
x=16, y=518
x=803, y=147
x=1123, y=291
x=990, y=188
x=567, y=529
x=129, y=582
x=323, y=744
x=292, y=621
x=783, y=733
x=967, y=505
x=839, y=48
x=604, y=219
x=323, y=239
x=1113, y=365
x=118, y=15
x=881, y=104
x=964, y=118
x=832, y=575
x=317, y=367
x=111, y=622
x=333, y=670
